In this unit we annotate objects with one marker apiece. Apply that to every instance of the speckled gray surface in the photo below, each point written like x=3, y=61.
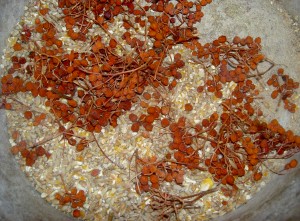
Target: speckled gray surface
x=279, y=200
x=292, y=7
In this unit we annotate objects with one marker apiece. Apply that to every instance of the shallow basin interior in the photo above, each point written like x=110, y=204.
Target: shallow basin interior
x=275, y=22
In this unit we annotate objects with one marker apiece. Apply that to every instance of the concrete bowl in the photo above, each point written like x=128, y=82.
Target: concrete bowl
x=275, y=21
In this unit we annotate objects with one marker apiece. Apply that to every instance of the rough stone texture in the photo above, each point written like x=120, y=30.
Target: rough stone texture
x=278, y=201
x=8, y=17
x=293, y=8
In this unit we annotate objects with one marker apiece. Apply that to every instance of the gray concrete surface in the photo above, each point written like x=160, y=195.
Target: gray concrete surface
x=278, y=201
x=292, y=7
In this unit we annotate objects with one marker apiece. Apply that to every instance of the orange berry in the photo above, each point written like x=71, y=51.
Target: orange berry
x=15, y=149
x=76, y=213
x=222, y=39
x=135, y=127
x=8, y=106
x=154, y=178
x=80, y=147
x=165, y=110
x=188, y=107
x=169, y=177
x=147, y=96
x=280, y=71
x=152, y=168
x=165, y=122
x=274, y=94
x=28, y=115
x=44, y=11
x=95, y=172
x=257, y=176
x=293, y=163
x=230, y=180
x=144, y=180
x=17, y=47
